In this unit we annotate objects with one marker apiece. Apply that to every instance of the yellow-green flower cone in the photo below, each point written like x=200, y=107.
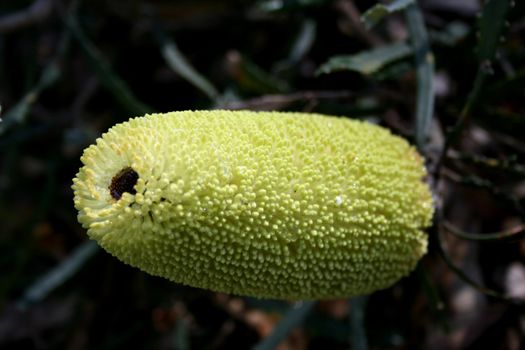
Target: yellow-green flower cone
x=273, y=205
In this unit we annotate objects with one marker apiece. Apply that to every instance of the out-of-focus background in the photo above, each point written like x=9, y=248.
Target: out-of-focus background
x=447, y=75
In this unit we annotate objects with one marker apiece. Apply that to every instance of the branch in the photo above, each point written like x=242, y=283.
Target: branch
x=489, y=186
x=268, y=102
x=508, y=165
x=442, y=251
x=352, y=14
x=514, y=232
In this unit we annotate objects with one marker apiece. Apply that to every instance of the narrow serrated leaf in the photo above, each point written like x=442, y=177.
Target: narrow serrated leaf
x=376, y=13
x=491, y=26
x=424, y=60
x=367, y=62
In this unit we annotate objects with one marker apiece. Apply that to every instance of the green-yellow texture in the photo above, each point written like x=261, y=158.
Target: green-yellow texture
x=269, y=204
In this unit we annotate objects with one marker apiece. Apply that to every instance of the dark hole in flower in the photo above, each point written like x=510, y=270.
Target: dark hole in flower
x=124, y=181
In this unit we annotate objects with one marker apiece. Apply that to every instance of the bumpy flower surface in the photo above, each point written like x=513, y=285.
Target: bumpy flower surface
x=273, y=205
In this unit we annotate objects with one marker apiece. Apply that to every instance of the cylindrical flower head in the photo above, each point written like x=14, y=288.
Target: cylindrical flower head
x=269, y=204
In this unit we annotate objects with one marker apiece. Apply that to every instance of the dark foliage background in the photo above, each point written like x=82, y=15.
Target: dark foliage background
x=71, y=69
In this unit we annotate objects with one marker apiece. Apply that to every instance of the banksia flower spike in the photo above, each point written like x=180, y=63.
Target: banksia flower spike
x=268, y=204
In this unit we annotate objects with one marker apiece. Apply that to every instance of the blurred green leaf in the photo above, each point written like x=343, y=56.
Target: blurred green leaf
x=283, y=5
x=56, y=277
x=181, y=339
x=109, y=79
x=293, y=318
x=357, y=322
x=491, y=26
x=179, y=64
x=300, y=45
x=424, y=72
x=367, y=62
x=393, y=71
x=50, y=75
x=252, y=78
x=376, y=13
x=303, y=41
x=451, y=35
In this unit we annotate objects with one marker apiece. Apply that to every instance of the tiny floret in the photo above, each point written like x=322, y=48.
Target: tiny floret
x=264, y=204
